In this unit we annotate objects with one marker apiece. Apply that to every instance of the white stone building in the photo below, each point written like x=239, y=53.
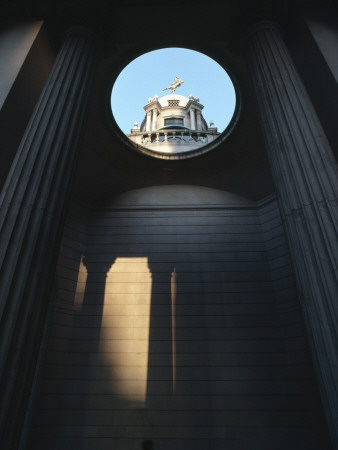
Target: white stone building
x=173, y=124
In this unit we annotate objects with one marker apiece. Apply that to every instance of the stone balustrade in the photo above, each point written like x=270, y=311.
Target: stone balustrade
x=174, y=136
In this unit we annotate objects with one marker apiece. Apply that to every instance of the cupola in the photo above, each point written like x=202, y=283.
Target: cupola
x=173, y=124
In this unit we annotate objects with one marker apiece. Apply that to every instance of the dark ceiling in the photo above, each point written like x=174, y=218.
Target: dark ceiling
x=108, y=166
x=127, y=29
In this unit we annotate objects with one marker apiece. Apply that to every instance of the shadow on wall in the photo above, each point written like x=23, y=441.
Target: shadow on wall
x=144, y=374
x=177, y=340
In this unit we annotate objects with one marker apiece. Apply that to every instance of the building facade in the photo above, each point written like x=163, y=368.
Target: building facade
x=173, y=124
x=163, y=303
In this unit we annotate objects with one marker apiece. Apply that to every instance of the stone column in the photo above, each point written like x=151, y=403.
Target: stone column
x=154, y=123
x=305, y=177
x=198, y=119
x=148, y=122
x=32, y=210
x=192, y=119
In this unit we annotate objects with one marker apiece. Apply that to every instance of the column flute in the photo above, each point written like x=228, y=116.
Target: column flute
x=305, y=176
x=32, y=210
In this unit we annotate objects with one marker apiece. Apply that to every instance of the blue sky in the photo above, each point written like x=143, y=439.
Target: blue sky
x=148, y=74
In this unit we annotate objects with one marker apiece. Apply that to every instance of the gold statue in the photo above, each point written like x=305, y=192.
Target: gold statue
x=174, y=85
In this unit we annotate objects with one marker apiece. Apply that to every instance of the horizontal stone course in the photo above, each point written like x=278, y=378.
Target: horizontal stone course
x=159, y=388
x=188, y=321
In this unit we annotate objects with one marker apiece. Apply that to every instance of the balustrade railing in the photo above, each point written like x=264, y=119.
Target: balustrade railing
x=183, y=137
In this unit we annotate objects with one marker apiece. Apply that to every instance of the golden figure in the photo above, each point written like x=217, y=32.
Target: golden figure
x=174, y=85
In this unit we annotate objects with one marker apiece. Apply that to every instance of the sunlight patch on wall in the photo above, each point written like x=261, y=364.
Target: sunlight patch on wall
x=124, y=339
x=80, y=285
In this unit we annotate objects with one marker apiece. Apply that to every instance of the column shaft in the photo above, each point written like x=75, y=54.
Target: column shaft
x=32, y=209
x=148, y=122
x=305, y=177
x=154, y=123
x=192, y=119
x=199, y=120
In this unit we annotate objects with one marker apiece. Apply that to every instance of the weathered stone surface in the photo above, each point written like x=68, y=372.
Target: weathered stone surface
x=174, y=345
x=33, y=204
x=305, y=176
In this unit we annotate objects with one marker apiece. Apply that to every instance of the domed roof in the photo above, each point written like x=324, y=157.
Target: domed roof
x=164, y=100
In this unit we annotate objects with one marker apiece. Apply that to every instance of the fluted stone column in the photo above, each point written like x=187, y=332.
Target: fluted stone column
x=148, y=121
x=198, y=120
x=33, y=204
x=305, y=177
x=192, y=119
x=154, y=123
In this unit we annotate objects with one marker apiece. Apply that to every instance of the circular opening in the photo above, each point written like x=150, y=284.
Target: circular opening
x=173, y=103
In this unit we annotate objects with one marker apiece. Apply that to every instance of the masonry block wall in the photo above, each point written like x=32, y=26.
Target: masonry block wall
x=176, y=321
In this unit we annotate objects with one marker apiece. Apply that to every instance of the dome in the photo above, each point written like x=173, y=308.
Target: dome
x=173, y=124
x=164, y=101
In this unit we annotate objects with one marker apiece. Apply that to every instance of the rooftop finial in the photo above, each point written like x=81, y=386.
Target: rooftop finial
x=174, y=85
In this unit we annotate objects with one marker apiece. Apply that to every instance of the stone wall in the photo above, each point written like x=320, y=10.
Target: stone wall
x=176, y=321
